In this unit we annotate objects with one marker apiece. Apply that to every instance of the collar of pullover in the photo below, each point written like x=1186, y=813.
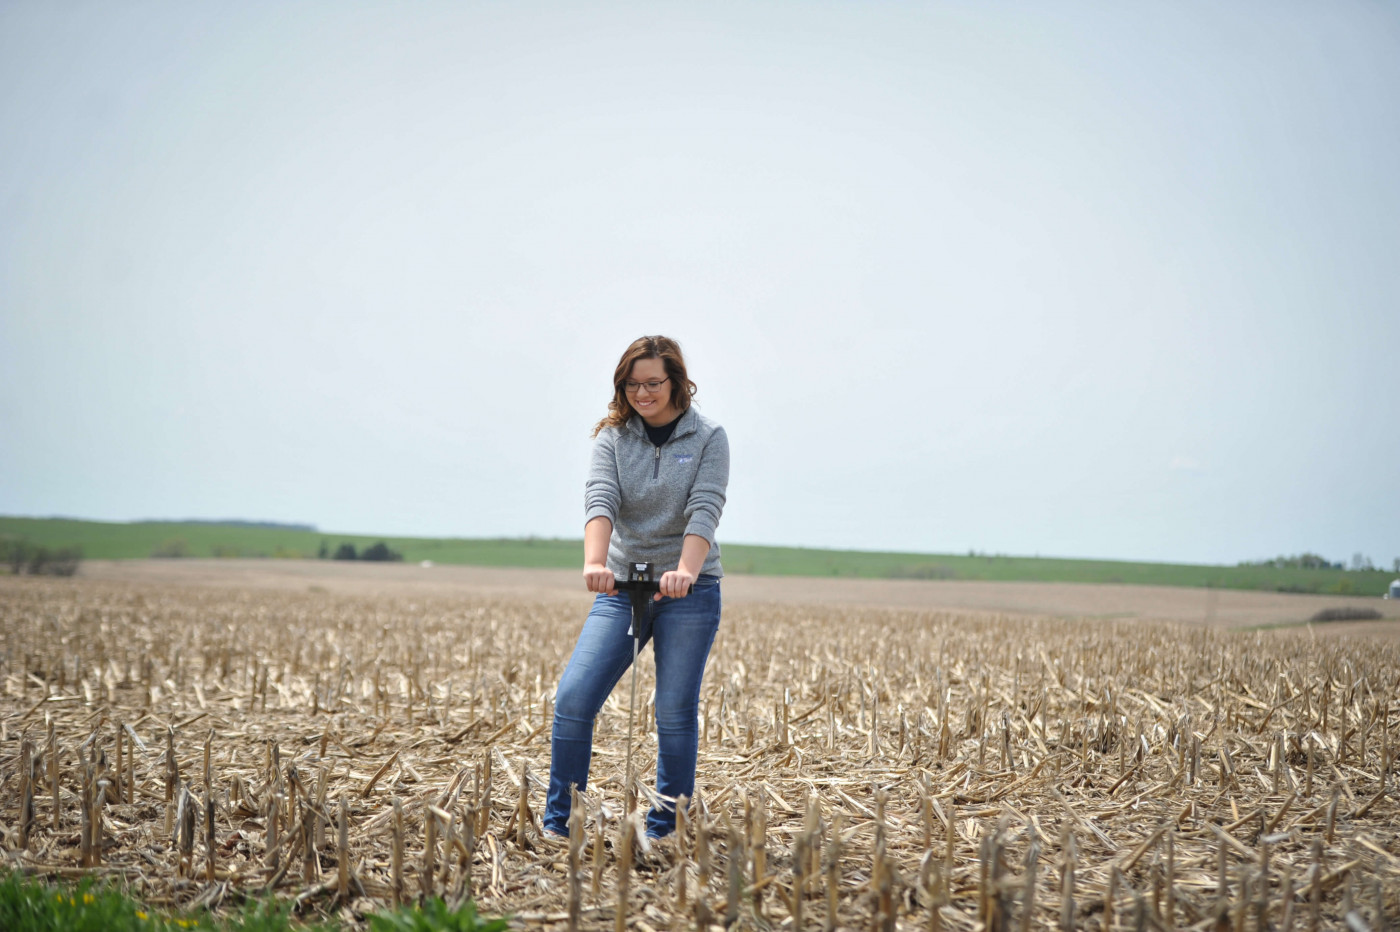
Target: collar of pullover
x=685, y=426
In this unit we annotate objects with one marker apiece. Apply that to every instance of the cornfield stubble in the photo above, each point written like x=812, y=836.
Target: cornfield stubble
x=860, y=767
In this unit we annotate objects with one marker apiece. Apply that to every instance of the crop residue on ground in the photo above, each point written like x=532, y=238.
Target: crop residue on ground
x=859, y=768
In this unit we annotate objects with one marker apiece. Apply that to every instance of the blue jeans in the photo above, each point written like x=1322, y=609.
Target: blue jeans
x=682, y=632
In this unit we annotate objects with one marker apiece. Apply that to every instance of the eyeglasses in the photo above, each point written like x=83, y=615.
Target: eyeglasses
x=652, y=387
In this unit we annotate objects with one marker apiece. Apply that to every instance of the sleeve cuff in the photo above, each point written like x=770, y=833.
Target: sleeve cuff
x=702, y=529
x=599, y=511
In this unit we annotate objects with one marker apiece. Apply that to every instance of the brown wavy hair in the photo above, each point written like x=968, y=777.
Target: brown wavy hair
x=620, y=410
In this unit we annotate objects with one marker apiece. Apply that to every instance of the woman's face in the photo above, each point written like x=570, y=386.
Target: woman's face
x=654, y=406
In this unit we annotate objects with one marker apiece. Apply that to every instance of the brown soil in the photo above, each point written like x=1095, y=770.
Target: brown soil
x=1224, y=608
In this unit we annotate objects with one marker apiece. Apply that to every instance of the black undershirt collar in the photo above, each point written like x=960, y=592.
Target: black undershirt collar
x=659, y=435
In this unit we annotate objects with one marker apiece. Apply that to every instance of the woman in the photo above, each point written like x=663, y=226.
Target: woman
x=654, y=494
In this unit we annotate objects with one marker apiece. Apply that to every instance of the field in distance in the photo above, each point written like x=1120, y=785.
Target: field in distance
x=140, y=540
x=1238, y=609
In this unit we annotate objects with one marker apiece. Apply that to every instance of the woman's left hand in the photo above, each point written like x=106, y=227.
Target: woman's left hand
x=676, y=584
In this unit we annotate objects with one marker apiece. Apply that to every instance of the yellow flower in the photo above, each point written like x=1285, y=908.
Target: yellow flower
x=58, y=897
x=89, y=898
x=141, y=915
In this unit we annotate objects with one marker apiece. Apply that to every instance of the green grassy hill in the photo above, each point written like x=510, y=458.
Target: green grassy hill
x=139, y=540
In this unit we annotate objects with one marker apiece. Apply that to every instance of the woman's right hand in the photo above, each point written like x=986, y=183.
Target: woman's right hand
x=598, y=578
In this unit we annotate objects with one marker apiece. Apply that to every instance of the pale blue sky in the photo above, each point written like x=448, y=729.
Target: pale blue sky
x=1107, y=280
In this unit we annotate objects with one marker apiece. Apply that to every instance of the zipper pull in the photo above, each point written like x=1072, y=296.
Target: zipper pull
x=656, y=464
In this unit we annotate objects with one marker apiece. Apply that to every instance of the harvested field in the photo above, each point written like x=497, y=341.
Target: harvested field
x=865, y=767
x=1231, y=608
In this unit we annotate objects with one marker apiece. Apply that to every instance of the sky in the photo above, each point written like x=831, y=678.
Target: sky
x=1085, y=280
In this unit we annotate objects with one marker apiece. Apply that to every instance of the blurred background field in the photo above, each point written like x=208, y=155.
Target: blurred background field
x=177, y=539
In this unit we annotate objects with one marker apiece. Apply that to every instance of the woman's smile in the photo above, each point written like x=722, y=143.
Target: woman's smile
x=649, y=392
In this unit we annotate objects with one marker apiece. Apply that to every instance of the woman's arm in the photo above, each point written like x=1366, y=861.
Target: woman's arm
x=702, y=510
x=596, y=575
x=705, y=503
x=601, y=497
x=677, y=583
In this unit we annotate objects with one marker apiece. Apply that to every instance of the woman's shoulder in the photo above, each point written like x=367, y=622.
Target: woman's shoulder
x=610, y=432
x=707, y=427
x=605, y=440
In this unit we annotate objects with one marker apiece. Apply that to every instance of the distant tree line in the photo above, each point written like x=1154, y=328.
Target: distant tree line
x=232, y=522
x=379, y=552
x=1360, y=563
x=1302, y=561
x=22, y=557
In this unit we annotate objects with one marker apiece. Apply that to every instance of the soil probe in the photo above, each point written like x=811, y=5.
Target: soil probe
x=640, y=586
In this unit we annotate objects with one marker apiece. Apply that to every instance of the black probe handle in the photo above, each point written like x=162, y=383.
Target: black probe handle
x=643, y=585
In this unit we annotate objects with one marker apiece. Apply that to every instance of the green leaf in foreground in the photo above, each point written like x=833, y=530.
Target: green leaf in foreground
x=268, y=915
x=434, y=916
x=29, y=905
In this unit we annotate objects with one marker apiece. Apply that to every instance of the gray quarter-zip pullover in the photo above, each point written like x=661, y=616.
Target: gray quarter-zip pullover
x=655, y=496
